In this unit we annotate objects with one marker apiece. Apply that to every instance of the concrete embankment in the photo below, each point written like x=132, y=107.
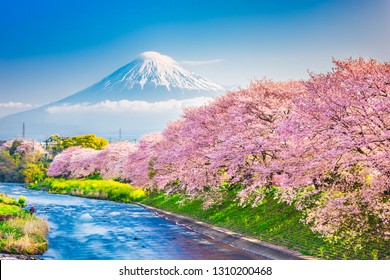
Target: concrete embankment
x=242, y=242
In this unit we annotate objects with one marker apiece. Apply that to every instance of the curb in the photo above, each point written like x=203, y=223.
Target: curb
x=237, y=240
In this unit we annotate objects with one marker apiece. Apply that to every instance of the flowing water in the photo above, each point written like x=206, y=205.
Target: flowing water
x=90, y=229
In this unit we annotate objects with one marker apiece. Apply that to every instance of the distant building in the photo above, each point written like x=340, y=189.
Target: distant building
x=53, y=145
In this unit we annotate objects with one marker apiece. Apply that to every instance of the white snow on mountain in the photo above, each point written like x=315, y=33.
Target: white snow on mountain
x=153, y=68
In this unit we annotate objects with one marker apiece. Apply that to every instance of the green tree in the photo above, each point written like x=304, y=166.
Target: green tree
x=28, y=166
x=34, y=172
x=8, y=167
x=85, y=141
x=14, y=146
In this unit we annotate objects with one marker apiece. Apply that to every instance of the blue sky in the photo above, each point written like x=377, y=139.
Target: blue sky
x=51, y=49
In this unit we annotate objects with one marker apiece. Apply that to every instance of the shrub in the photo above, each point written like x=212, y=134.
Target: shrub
x=22, y=200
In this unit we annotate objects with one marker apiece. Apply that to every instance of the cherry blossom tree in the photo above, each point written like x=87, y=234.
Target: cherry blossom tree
x=247, y=147
x=139, y=168
x=31, y=147
x=112, y=159
x=74, y=162
x=6, y=145
x=338, y=144
x=227, y=141
x=24, y=147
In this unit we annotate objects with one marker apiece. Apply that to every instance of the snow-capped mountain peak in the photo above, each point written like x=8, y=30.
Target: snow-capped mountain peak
x=152, y=69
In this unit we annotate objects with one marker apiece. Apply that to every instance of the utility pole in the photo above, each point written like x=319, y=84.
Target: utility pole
x=47, y=144
x=46, y=148
x=24, y=131
x=120, y=134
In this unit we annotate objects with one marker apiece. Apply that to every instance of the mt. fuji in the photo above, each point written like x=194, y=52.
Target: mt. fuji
x=150, y=77
x=139, y=97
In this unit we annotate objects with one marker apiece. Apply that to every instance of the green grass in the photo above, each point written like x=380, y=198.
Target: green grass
x=11, y=201
x=20, y=232
x=91, y=188
x=273, y=222
x=10, y=210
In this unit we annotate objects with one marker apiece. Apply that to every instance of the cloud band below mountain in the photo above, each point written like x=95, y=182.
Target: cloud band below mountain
x=129, y=106
x=15, y=105
x=201, y=62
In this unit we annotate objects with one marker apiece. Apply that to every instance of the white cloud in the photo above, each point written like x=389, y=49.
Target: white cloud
x=201, y=62
x=16, y=105
x=129, y=106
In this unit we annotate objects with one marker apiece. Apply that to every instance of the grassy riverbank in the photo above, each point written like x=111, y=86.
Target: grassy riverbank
x=91, y=188
x=273, y=222
x=20, y=232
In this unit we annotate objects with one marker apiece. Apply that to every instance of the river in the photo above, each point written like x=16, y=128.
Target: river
x=90, y=229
